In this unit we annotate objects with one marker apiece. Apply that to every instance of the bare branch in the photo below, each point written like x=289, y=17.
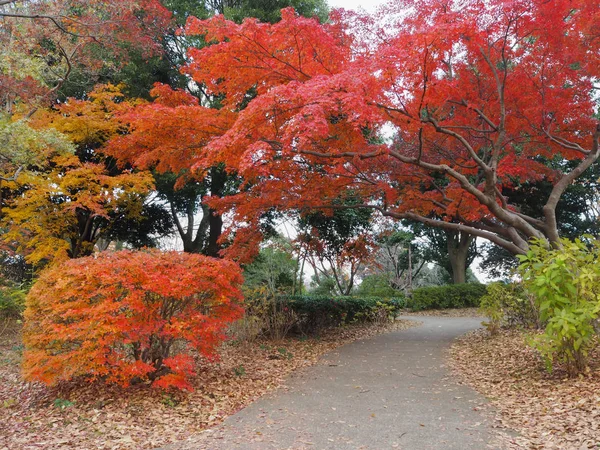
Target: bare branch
x=480, y=113
x=491, y=233
x=373, y=154
x=501, y=197
x=53, y=19
x=14, y=177
x=486, y=119
x=462, y=140
x=564, y=182
x=565, y=143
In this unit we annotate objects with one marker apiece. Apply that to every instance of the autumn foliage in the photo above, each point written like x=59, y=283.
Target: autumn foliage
x=63, y=214
x=479, y=98
x=128, y=316
x=43, y=44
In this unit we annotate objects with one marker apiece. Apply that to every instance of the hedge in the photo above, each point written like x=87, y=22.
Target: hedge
x=317, y=312
x=448, y=296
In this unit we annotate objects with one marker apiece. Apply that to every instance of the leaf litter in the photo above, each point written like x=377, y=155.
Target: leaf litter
x=451, y=312
x=546, y=410
x=95, y=415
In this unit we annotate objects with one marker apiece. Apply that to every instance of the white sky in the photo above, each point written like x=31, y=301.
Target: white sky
x=368, y=5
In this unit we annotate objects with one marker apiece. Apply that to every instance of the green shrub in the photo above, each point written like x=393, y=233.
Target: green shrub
x=317, y=312
x=566, y=284
x=12, y=301
x=275, y=317
x=448, y=296
x=508, y=305
x=265, y=316
x=377, y=286
x=491, y=307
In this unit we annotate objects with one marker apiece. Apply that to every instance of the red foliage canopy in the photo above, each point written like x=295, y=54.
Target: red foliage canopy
x=61, y=36
x=477, y=96
x=168, y=133
x=128, y=316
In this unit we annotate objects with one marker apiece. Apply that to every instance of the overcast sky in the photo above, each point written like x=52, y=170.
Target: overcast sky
x=368, y=5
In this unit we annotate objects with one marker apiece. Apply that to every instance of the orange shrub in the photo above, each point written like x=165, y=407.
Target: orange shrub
x=129, y=316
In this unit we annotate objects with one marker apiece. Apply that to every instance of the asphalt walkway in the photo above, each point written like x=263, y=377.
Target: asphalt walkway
x=390, y=391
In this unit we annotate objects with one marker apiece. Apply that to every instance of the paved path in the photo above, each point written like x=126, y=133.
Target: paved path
x=390, y=391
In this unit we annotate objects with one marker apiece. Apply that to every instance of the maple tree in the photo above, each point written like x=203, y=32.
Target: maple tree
x=45, y=43
x=63, y=213
x=478, y=95
x=182, y=107
x=128, y=316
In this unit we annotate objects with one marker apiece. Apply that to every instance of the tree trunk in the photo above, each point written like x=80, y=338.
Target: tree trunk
x=214, y=233
x=458, y=250
x=215, y=227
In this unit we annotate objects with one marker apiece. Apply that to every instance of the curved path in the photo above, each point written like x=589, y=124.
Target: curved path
x=390, y=391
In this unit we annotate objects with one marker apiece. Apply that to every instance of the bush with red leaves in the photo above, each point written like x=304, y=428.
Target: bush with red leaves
x=129, y=316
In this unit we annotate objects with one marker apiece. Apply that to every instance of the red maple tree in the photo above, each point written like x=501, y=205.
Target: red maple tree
x=127, y=316
x=479, y=97
x=45, y=43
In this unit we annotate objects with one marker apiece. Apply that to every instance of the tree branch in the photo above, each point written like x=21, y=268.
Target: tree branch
x=462, y=140
x=566, y=144
x=562, y=184
x=14, y=177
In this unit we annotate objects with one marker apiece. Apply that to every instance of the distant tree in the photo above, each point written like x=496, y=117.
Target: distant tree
x=377, y=285
x=270, y=10
x=452, y=250
x=275, y=268
x=324, y=284
x=337, y=243
x=398, y=258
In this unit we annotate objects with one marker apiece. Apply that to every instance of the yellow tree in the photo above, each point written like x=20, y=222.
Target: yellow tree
x=63, y=213
x=64, y=208
x=25, y=149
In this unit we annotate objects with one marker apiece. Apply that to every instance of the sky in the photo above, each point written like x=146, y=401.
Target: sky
x=368, y=5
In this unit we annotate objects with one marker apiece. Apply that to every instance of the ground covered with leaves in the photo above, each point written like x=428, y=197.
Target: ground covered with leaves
x=453, y=312
x=547, y=410
x=84, y=416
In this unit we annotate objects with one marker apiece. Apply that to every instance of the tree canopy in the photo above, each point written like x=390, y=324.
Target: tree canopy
x=475, y=95
x=478, y=119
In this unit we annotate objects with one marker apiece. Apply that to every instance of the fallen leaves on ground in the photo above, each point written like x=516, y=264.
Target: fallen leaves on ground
x=97, y=416
x=454, y=312
x=548, y=411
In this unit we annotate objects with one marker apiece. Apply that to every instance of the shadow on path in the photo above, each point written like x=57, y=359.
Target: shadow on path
x=390, y=391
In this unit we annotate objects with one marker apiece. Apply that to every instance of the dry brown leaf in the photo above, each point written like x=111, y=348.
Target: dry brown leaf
x=109, y=417
x=549, y=411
